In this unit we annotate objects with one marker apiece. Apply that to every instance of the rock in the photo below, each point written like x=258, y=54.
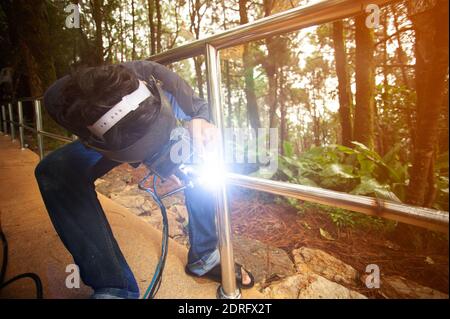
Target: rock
x=262, y=260
x=116, y=187
x=397, y=287
x=129, y=201
x=149, y=206
x=325, y=265
x=102, y=186
x=181, y=212
x=175, y=228
x=308, y=285
x=99, y=181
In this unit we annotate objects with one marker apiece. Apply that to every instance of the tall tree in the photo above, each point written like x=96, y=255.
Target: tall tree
x=151, y=22
x=158, y=26
x=32, y=36
x=133, y=32
x=197, y=11
x=122, y=40
x=365, y=83
x=248, y=63
x=270, y=66
x=96, y=6
x=345, y=94
x=430, y=21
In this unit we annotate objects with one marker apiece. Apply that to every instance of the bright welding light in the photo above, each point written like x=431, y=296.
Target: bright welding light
x=211, y=172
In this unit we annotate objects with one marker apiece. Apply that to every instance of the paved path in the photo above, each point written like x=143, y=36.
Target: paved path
x=34, y=246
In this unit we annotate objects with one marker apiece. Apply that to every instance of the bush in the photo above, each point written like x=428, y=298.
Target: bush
x=358, y=171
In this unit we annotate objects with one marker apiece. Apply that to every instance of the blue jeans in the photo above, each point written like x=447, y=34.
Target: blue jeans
x=66, y=181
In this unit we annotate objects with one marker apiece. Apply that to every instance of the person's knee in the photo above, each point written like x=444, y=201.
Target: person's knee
x=50, y=170
x=44, y=174
x=41, y=170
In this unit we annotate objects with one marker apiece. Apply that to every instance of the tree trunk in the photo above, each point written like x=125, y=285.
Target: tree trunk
x=228, y=83
x=270, y=67
x=283, y=114
x=97, y=6
x=133, y=32
x=365, y=86
x=345, y=94
x=32, y=36
x=196, y=18
x=198, y=61
x=252, y=105
x=121, y=35
x=431, y=48
x=400, y=52
x=151, y=22
x=159, y=26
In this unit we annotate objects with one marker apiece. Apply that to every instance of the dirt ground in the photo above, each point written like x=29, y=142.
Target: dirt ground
x=262, y=217
x=282, y=226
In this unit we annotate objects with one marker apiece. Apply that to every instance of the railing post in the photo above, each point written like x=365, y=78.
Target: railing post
x=11, y=122
x=39, y=127
x=5, y=123
x=228, y=289
x=21, y=124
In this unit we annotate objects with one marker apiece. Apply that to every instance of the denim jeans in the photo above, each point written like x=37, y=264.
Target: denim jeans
x=66, y=180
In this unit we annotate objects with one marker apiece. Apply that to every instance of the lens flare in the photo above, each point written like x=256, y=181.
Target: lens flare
x=211, y=173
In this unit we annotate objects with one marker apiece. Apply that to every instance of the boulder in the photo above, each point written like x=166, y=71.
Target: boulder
x=262, y=260
x=325, y=265
x=308, y=285
x=397, y=287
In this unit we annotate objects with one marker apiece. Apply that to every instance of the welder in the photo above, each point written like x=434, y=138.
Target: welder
x=122, y=113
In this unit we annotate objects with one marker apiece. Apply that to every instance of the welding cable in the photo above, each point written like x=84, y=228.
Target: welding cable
x=154, y=285
x=33, y=276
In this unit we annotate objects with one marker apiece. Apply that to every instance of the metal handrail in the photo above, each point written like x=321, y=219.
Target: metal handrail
x=419, y=216
x=38, y=130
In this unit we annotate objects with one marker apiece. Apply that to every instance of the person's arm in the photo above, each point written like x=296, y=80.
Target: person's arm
x=191, y=105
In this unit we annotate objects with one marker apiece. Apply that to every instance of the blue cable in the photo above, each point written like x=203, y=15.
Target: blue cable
x=155, y=283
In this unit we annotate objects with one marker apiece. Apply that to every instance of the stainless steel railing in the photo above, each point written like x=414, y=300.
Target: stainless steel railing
x=291, y=20
x=287, y=21
x=8, y=120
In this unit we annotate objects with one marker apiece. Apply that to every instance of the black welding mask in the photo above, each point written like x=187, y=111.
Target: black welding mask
x=153, y=147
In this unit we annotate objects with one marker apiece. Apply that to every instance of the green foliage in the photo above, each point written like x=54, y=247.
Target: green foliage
x=356, y=170
x=344, y=218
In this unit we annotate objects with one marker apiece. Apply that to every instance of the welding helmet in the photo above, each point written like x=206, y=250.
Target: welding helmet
x=148, y=147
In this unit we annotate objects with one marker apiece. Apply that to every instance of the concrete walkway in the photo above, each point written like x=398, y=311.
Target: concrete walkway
x=35, y=247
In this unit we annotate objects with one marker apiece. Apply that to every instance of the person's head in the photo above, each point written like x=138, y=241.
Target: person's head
x=91, y=92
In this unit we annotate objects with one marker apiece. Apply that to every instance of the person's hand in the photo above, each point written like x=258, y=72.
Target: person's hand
x=204, y=135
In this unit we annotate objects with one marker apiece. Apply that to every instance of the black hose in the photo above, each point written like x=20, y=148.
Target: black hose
x=33, y=276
